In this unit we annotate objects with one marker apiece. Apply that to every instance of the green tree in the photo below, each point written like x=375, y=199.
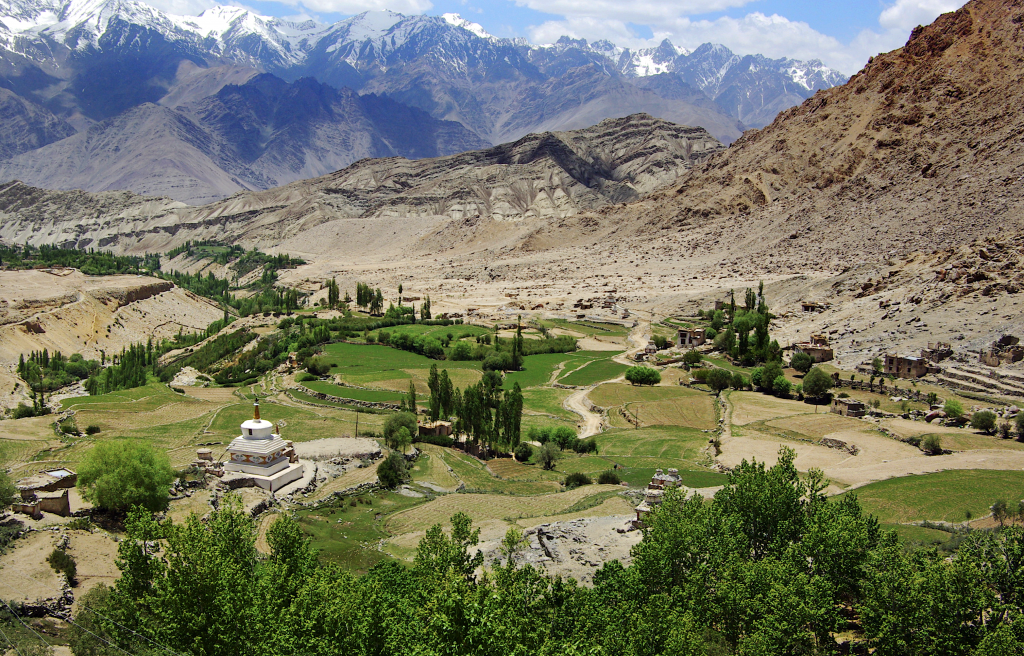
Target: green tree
x=643, y=376
x=439, y=555
x=738, y=381
x=802, y=362
x=402, y=439
x=1000, y=511
x=769, y=374
x=692, y=357
x=953, y=409
x=392, y=471
x=118, y=475
x=984, y=421
x=876, y=366
x=1019, y=421
x=817, y=383
x=549, y=455
x=718, y=380
x=393, y=423
x=411, y=403
x=781, y=387
x=8, y=491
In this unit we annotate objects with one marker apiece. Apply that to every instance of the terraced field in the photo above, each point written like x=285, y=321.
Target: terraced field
x=593, y=372
x=370, y=395
x=944, y=496
x=658, y=406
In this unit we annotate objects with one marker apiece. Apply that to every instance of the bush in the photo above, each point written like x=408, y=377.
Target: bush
x=564, y=437
x=756, y=376
x=392, y=472
x=68, y=426
x=953, y=409
x=118, y=475
x=609, y=477
x=539, y=435
x=692, y=357
x=584, y=446
x=802, y=362
x=92, y=429
x=1020, y=425
x=718, y=379
x=576, y=479
x=781, y=387
x=932, y=445
x=1004, y=430
x=8, y=490
x=643, y=376
x=523, y=452
x=817, y=383
x=64, y=564
x=738, y=381
x=318, y=366
x=305, y=377
x=985, y=421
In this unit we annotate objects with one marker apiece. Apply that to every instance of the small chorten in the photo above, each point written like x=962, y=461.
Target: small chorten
x=262, y=454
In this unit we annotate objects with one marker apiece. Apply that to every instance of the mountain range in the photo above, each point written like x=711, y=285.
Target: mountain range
x=114, y=94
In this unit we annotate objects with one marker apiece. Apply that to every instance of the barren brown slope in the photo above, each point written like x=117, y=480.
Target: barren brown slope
x=920, y=150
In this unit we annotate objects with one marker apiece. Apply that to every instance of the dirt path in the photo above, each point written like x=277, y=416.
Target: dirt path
x=638, y=337
x=577, y=402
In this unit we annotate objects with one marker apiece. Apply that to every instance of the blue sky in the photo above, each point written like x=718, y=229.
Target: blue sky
x=842, y=34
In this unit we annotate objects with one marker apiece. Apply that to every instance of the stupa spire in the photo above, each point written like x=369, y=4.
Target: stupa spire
x=256, y=410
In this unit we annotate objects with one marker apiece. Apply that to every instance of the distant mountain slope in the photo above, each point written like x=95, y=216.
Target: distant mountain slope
x=539, y=178
x=921, y=150
x=256, y=135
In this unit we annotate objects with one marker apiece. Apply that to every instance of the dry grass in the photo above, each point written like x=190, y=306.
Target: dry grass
x=614, y=506
x=350, y=478
x=817, y=426
x=749, y=407
x=658, y=406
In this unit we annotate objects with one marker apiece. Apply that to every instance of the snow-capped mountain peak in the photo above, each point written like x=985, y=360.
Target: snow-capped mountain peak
x=459, y=21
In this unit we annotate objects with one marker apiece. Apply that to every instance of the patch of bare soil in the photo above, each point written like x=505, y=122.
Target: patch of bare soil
x=25, y=576
x=94, y=555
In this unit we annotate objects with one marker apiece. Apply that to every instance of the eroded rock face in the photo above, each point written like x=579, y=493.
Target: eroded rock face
x=547, y=176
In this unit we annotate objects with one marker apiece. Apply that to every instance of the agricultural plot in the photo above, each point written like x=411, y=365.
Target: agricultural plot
x=816, y=426
x=297, y=424
x=415, y=329
x=478, y=478
x=658, y=406
x=537, y=369
x=483, y=507
x=547, y=401
x=660, y=442
x=430, y=468
x=956, y=439
x=372, y=396
x=593, y=372
x=944, y=496
x=754, y=406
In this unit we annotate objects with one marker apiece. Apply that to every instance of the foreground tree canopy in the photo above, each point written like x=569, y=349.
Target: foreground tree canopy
x=768, y=566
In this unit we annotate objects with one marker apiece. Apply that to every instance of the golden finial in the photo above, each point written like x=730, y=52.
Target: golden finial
x=256, y=410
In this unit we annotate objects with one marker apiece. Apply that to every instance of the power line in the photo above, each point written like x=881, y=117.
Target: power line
x=98, y=637
x=11, y=610
x=11, y=643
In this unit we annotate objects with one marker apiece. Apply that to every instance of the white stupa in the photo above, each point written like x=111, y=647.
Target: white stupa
x=261, y=454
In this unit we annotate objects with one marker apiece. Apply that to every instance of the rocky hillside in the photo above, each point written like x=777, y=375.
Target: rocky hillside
x=256, y=135
x=540, y=178
x=919, y=151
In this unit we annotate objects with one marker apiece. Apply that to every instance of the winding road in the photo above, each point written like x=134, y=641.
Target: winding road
x=593, y=423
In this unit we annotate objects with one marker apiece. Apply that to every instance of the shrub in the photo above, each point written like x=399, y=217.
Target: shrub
x=318, y=366
x=802, y=362
x=118, y=475
x=584, y=446
x=932, y=445
x=643, y=376
x=692, y=357
x=523, y=452
x=756, y=376
x=397, y=421
x=985, y=421
x=8, y=490
x=1004, y=430
x=92, y=429
x=738, y=381
x=564, y=437
x=64, y=564
x=609, y=477
x=781, y=387
x=718, y=379
x=769, y=375
x=68, y=426
x=305, y=377
x=1020, y=425
x=391, y=472
x=539, y=435
x=439, y=440
x=576, y=479
x=953, y=409
x=80, y=524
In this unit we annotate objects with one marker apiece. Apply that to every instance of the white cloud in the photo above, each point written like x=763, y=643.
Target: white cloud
x=359, y=6
x=756, y=33
x=908, y=14
x=184, y=7
x=646, y=11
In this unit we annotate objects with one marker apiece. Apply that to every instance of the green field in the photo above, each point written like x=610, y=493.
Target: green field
x=944, y=496
x=593, y=328
x=594, y=372
x=457, y=332
x=537, y=369
x=658, y=406
x=372, y=396
x=547, y=401
x=347, y=534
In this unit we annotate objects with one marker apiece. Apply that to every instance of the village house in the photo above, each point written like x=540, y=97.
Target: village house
x=937, y=352
x=655, y=493
x=818, y=348
x=813, y=306
x=691, y=337
x=46, y=491
x=849, y=407
x=651, y=348
x=908, y=367
x=436, y=428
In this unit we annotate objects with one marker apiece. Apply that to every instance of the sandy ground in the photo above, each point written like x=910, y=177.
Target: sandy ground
x=336, y=447
x=94, y=555
x=26, y=576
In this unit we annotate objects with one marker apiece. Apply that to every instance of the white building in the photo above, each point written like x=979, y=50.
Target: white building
x=262, y=454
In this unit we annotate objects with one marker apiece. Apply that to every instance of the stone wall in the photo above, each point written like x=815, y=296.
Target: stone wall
x=341, y=399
